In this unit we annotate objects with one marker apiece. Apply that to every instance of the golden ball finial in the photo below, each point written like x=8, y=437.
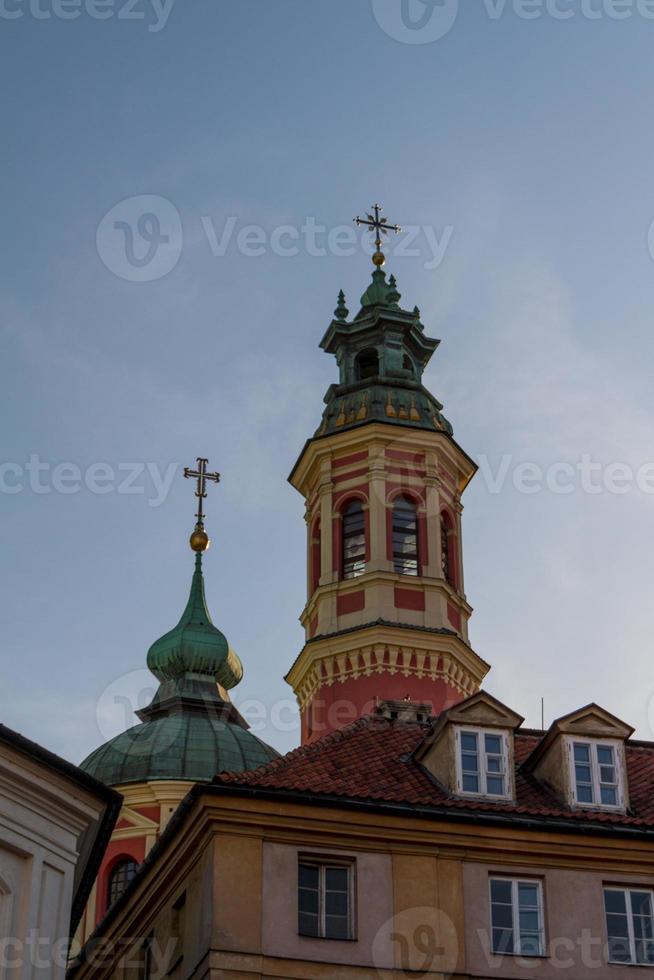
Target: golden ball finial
x=378, y=259
x=199, y=540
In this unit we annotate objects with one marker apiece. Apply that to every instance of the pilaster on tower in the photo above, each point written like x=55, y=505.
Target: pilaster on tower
x=386, y=614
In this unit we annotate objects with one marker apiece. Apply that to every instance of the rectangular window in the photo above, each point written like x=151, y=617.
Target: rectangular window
x=595, y=774
x=630, y=925
x=517, y=916
x=483, y=762
x=325, y=906
x=145, y=959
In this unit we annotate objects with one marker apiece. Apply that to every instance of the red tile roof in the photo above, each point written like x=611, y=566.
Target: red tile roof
x=372, y=760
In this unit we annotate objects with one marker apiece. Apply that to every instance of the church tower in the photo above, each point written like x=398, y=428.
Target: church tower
x=386, y=616
x=189, y=732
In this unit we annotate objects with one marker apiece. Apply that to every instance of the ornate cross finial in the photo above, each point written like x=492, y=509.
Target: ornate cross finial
x=380, y=226
x=199, y=538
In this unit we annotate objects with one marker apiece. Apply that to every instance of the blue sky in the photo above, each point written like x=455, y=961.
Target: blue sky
x=524, y=145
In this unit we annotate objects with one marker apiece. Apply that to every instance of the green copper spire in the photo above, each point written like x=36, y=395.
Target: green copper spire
x=191, y=730
x=341, y=312
x=195, y=645
x=393, y=297
x=381, y=354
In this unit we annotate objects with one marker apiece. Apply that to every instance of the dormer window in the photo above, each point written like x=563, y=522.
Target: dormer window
x=595, y=773
x=482, y=762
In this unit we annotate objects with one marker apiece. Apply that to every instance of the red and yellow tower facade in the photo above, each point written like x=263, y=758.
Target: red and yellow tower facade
x=386, y=614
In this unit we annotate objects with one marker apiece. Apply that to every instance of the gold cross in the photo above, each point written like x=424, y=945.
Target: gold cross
x=380, y=226
x=201, y=476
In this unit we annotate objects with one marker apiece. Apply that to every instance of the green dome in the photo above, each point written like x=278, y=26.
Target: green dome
x=195, y=645
x=191, y=731
x=192, y=746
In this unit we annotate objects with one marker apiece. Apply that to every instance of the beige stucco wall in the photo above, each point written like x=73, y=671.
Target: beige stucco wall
x=373, y=900
x=575, y=932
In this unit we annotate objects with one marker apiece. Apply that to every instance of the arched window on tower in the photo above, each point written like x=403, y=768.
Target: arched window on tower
x=405, y=537
x=407, y=364
x=367, y=364
x=315, y=557
x=120, y=878
x=447, y=549
x=354, y=540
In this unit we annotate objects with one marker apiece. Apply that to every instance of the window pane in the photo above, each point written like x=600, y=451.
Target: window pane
x=641, y=903
x=405, y=537
x=619, y=951
x=120, y=879
x=336, y=903
x=582, y=752
x=609, y=796
x=528, y=895
x=583, y=774
x=530, y=944
x=502, y=940
x=605, y=755
x=584, y=794
x=336, y=927
x=495, y=785
x=503, y=916
x=469, y=741
x=607, y=774
x=494, y=764
x=615, y=901
x=493, y=744
x=337, y=879
x=644, y=951
x=308, y=876
x=617, y=926
x=470, y=784
x=469, y=763
x=308, y=901
x=308, y=925
x=643, y=927
x=501, y=890
x=529, y=921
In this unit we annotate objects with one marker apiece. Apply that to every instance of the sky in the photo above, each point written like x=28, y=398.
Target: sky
x=178, y=186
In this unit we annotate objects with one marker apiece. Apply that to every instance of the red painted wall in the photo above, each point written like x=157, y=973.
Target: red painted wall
x=118, y=850
x=334, y=707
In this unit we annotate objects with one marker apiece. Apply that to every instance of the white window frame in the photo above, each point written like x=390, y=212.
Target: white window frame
x=322, y=864
x=594, y=744
x=627, y=890
x=515, y=912
x=483, y=774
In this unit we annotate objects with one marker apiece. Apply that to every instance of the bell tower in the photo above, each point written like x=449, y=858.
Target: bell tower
x=386, y=614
